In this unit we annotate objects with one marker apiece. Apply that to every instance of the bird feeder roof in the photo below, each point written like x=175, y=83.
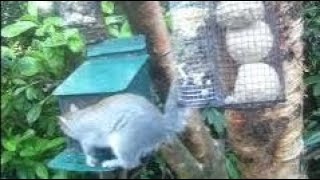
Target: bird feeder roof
x=102, y=76
x=110, y=67
x=120, y=45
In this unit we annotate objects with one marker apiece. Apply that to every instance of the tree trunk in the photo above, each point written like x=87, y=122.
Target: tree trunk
x=146, y=18
x=268, y=141
x=85, y=15
x=198, y=155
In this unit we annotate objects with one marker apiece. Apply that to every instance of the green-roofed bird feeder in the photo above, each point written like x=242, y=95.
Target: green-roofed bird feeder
x=111, y=67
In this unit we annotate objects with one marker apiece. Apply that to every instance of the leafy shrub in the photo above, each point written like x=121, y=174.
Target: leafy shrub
x=38, y=51
x=312, y=82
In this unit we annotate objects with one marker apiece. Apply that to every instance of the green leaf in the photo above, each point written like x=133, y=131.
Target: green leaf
x=55, y=40
x=316, y=90
x=42, y=171
x=28, y=17
x=125, y=30
x=31, y=93
x=215, y=118
x=17, y=28
x=19, y=82
x=54, y=59
x=29, y=66
x=312, y=80
x=28, y=152
x=6, y=156
x=25, y=173
x=231, y=167
x=9, y=144
x=74, y=41
x=60, y=175
x=113, y=30
x=28, y=134
x=107, y=7
x=53, y=21
x=6, y=52
x=32, y=8
x=40, y=31
x=19, y=90
x=53, y=144
x=34, y=113
x=312, y=138
x=115, y=19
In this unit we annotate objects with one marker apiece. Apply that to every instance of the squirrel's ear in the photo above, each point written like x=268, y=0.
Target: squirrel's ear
x=62, y=120
x=65, y=125
x=73, y=108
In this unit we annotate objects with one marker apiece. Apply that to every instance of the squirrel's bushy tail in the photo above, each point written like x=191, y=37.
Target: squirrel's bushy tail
x=174, y=115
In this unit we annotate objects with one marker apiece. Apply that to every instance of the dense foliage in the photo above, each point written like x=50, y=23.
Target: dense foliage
x=312, y=82
x=37, y=53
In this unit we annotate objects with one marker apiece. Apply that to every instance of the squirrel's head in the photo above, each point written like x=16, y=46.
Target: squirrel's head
x=65, y=123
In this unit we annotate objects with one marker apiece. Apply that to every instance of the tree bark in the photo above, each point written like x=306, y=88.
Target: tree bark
x=268, y=141
x=145, y=17
x=85, y=15
x=198, y=155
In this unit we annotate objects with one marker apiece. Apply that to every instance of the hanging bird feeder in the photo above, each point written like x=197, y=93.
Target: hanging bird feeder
x=229, y=54
x=111, y=67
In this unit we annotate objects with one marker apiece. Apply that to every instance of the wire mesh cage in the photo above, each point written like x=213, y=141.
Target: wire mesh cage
x=193, y=51
x=228, y=53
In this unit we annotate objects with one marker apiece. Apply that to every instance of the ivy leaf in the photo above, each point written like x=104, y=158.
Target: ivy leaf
x=17, y=28
x=42, y=171
x=34, y=113
x=107, y=7
x=29, y=66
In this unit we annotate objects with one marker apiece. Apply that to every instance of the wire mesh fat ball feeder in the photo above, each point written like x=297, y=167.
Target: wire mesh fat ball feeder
x=228, y=53
x=111, y=67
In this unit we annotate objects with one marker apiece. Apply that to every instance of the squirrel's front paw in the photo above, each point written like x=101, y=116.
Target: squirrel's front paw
x=90, y=161
x=111, y=163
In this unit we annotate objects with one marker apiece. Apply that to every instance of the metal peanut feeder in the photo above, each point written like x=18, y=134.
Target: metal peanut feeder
x=111, y=66
x=229, y=54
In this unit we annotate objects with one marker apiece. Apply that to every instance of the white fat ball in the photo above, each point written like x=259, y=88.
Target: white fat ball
x=239, y=14
x=250, y=45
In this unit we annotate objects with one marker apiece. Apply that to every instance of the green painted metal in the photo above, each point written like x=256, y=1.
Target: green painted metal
x=115, y=46
x=70, y=160
x=112, y=66
x=99, y=76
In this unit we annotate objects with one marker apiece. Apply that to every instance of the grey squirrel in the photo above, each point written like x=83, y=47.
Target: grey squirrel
x=128, y=124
